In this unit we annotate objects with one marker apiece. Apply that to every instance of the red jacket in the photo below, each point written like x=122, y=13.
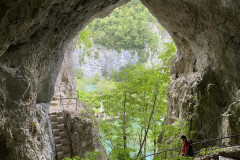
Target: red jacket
x=186, y=144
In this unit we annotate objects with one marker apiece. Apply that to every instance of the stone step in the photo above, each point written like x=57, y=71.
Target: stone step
x=61, y=127
x=57, y=140
x=60, y=155
x=55, y=98
x=60, y=120
x=52, y=113
x=54, y=125
x=54, y=103
x=56, y=132
x=62, y=134
x=59, y=147
x=53, y=118
x=64, y=141
x=59, y=114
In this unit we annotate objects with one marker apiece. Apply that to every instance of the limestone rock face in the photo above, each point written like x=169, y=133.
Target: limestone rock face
x=205, y=87
x=103, y=60
x=34, y=36
x=83, y=135
x=66, y=84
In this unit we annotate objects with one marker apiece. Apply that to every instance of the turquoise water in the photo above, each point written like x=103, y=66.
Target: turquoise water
x=89, y=87
x=132, y=141
x=108, y=150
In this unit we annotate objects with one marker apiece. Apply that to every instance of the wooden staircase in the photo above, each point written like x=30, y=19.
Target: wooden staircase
x=60, y=136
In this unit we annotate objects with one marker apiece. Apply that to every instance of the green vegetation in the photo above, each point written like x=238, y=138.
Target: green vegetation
x=135, y=99
x=89, y=156
x=132, y=102
x=211, y=151
x=78, y=73
x=136, y=106
x=84, y=39
x=128, y=27
x=102, y=87
x=181, y=158
x=170, y=138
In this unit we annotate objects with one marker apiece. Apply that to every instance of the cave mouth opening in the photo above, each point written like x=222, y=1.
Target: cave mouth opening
x=128, y=36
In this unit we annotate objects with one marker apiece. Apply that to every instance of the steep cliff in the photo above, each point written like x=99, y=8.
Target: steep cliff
x=66, y=84
x=98, y=59
x=103, y=61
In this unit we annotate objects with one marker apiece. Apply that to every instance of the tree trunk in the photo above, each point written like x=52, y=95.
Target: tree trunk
x=145, y=146
x=124, y=123
x=153, y=110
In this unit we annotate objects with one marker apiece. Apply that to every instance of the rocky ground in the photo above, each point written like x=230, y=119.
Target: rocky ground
x=232, y=153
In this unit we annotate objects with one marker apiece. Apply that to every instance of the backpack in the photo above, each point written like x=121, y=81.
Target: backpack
x=190, y=151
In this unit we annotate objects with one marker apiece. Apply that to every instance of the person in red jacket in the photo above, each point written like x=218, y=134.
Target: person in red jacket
x=186, y=146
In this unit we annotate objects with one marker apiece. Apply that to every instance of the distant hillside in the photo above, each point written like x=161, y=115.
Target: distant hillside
x=129, y=35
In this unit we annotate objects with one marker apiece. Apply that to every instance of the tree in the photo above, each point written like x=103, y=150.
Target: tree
x=96, y=78
x=127, y=27
x=105, y=73
x=78, y=73
x=135, y=100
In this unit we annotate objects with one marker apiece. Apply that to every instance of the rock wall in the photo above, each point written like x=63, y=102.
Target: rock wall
x=66, y=84
x=205, y=88
x=34, y=36
x=102, y=61
x=84, y=136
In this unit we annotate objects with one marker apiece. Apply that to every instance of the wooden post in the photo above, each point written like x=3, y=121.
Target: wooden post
x=206, y=148
x=76, y=104
x=60, y=101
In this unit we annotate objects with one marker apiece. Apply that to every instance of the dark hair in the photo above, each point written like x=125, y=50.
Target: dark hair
x=183, y=136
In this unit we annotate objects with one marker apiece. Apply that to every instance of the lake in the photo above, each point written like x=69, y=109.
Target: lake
x=132, y=141
x=88, y=87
